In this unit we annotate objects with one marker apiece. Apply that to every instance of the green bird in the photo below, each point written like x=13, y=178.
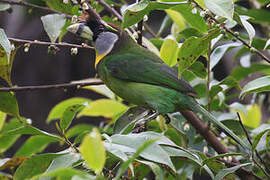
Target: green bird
x=139, y=76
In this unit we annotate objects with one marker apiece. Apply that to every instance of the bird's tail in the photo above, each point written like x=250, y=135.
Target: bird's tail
x=209, y=117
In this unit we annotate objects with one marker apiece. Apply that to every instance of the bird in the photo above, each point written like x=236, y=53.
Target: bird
x=139, y=76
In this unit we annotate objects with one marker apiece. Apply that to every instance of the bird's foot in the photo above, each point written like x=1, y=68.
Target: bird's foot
x=141, y=125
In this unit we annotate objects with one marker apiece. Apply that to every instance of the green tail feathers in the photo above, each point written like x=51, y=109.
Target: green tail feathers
x=209, y=117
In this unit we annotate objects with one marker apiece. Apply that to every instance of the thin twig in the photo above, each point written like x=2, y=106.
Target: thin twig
x=139, y=31
x=110, y=9
x=250, y=142
x=222, y=25
x=53, y=86
x=23, y=41
x=26, y=4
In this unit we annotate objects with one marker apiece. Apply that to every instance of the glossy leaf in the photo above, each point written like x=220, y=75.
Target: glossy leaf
x=135, y=12
x=224, y=172
x=30, y=130
x=131, y=116
x=58, y=5
x=257, y=139
x=249, y=28
x=253, y=116
x=159, y=175
x=177, y=18
x=258, y=85
x=8, y=104
x=7, y=55
x=240, y=73
x=192, y=49
x=131, y=142
x=7, y=141
x=34, y=166
x=223, y=8
x=169, y=51
x=2, y=119
x=194, y=20
x=66, y=173
x=69, y=115
x=93, y=151
x=219, y=52
x=266, y=44
x=53, y=24
x=4, y=42
x=58, y=110
x=4, y=6
x=101, y=89
x=104, y=107
x=221, y=156
x=77, y=129
x=139, y=150
x=34, y=144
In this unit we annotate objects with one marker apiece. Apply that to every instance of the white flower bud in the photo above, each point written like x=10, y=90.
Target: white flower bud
x=74, y=51
x=65, y=1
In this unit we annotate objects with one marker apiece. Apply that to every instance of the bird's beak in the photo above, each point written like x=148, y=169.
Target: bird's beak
x=82, y=30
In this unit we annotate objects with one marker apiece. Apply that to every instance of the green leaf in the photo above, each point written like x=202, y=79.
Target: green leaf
x=8, y=104
x=53, y=24
x=7, y=55
x=193, y=48
x=4, y=6
x=258, y=85
x=30, y=130
x=169, y=51
x=253, y=116
x=58, y=5
x=249, y=28
x=223, y=8
x=58, y=110
x=65, y=161
x=225, y=172
x=77, y=129
x=4, y=42
x=33, y=145
x=104, y=107
x=34, y=166
x=7, y=141
x=194, y=20
x=258, y=15
x=257, y=139
x=220, y=156
x=219, y=52
x=101, y=89
x=159, y=175
x=66, y=173
x=131, y=142
x=266, y=44
x=240, y=73
x=177, y=19
x=145, y=145
x=131, y=116
x=135, y=12
x=2, y=119
x=69, y=114
x=93, y=151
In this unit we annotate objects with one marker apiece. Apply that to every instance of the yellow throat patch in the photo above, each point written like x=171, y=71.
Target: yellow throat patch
x=99, y=58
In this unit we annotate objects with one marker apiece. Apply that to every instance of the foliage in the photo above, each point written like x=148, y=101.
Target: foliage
x=195, y=46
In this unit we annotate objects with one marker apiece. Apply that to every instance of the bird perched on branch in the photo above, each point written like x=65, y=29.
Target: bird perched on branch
x=138, y=75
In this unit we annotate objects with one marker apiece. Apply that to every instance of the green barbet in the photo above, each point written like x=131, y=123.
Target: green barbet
x=138, y=75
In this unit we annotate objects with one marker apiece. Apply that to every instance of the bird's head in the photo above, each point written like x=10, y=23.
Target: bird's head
x=104, y=36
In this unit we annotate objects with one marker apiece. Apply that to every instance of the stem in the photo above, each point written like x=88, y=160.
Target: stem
x=54, y=86
x=208, y=72
x=257, y=154
x=222, y=25
x=23, y=41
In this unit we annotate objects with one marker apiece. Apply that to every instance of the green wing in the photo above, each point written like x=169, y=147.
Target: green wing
x=139, y=68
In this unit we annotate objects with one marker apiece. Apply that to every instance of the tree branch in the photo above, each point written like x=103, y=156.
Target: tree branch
x=211, y=139
x=23, y=41
x=26, y=4
x=53, y=86
x=222, y=25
